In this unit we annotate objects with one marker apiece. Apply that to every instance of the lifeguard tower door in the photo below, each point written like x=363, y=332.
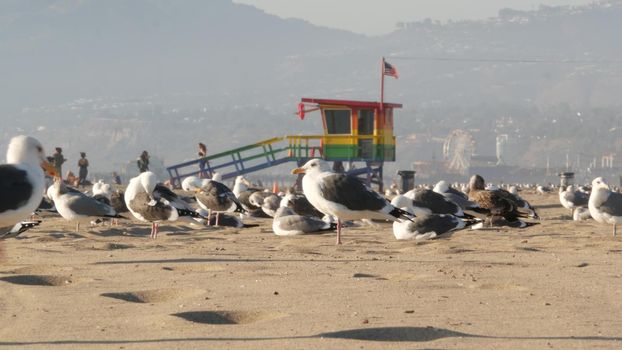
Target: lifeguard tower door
x=366, y=128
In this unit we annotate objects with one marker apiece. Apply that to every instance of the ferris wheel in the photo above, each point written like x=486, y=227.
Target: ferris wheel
x=458, y=149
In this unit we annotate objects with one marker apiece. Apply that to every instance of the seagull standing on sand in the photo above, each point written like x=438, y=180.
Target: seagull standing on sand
x=22, y=181
x=77, y=206
x=148, y=201
x=570, y=199
x=215, y=196
x=605, y=206
x=343, y=197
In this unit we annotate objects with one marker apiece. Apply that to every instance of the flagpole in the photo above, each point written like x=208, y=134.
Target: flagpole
x=382, y=84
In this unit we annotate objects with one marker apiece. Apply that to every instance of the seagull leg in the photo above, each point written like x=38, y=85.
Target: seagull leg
x=614, y=229
x=77, y=227
x=217, y=218
x=153, y=228
x=209, y=217
x=338, y=231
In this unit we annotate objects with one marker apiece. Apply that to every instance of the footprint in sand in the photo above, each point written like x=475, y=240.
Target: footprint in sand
x=153, y=295
x=195, y=268
x=39, y=280
x=37, y=270
x=229, y=317
x=507, y=286
x=367, y=275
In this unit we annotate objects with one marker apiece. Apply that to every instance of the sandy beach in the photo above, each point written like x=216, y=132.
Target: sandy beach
x=554, y=285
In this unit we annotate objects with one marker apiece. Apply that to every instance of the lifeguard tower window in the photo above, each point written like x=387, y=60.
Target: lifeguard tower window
x=338, y=121
x=365, y=128
x=366, y=122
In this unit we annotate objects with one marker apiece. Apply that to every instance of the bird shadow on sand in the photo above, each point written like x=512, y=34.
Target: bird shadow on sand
x=548, y=206
x=243, y=260
x=139, y=231
x=380, y=334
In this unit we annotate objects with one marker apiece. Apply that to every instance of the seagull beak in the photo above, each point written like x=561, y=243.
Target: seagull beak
x=298, y=171
x=49, y=168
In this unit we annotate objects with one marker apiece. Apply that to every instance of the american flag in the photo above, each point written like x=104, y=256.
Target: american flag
x=389, y=70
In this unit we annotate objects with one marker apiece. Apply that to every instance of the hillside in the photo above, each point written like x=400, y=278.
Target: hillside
x=163, y=75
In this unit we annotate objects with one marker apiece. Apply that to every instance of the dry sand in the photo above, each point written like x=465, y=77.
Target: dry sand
x=555, y=285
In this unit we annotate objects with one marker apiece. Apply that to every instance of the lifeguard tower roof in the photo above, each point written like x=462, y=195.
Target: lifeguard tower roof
x=350, y=103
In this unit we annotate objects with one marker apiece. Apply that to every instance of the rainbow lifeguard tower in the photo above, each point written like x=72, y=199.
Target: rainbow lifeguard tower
x=357, y=135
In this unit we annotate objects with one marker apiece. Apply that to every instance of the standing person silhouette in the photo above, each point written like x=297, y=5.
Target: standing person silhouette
x=143, y=162
x=83, y=165
x=202, y=162
x=58, y=160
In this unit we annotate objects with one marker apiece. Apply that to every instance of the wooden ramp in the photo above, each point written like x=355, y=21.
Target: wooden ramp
x=263, y=155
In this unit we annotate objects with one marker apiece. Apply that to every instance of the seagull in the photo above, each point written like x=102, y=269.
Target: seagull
x=542, y=189
x=424, y=201
x=149, y=201
x=215, y=196
x=570, y=199
x=458, y=197
x=22, y=180
x=243, y=193
x=498, y=202
x=300, y=204
x=605, y=206
x=342, y=196
x=287, y=223
x=189, y=183
x=581, y=214
x=271, y=205
x=257, y=198
x=428, y=226
x=77, y=206
x=102, y=189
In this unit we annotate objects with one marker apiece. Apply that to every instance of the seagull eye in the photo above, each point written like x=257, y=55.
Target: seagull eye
x=39, y=149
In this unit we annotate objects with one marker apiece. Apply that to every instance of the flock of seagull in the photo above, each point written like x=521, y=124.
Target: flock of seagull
x=329, y=201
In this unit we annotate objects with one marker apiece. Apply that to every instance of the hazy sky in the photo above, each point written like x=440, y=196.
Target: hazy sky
x=379, y=16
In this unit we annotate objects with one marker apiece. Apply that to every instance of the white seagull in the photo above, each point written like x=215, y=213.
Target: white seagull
x=605, y=206
x=22, y=180
x=151, y=202
x=342, y=196
x=77, y=206
x=428, y=226
x=214, y=196
x=571, y=199
x=287, y=223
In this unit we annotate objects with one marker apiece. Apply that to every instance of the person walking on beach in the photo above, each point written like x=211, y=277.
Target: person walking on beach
x=143, y=162
x=58, y=160
x=202, y=162
x=83, y=165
